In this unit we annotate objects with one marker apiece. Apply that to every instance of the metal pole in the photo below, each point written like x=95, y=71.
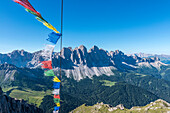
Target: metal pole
x=61, y=34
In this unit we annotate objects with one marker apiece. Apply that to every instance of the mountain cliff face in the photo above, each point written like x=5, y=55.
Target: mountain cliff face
x=80, y=63
x=11, y=105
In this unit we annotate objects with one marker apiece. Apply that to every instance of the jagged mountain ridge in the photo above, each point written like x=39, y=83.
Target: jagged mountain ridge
x=17, y=58
x=143, y=55
x=163, y=58
x=80, y=63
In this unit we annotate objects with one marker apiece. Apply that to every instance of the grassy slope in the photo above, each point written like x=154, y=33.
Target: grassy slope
x=33, y=97
x=108, y=83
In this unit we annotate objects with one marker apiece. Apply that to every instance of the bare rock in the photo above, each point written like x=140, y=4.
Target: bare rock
x=11, y=105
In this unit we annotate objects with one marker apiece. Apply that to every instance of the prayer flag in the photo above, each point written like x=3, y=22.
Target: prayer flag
x=27, y=5
x=49, y=73
x=31, y=12
x=55, y=79
x=56, y=100
x=48, y=51
x=57, y=96
x=56, y=92
x=40, y=19
x=50, y=27
x=56, y=111
x=47, y=24
x=58, y=104
x=53, y=37
x=56, y=85
x=47, y=64
x=56, y=108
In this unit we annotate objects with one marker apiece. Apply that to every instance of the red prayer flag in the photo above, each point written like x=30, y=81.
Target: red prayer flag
x=57, y=96
x=27, y=5
x=47, y=64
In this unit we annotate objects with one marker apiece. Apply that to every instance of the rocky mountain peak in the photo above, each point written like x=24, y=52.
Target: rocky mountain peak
x=70, y=48
x=66, y=52
x=155, y=59
x=152, y=59
x=118, y=52
x=94, y=48
x=83, y=49
x=18, y=52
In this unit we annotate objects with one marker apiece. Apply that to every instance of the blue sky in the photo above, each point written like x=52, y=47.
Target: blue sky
x=131, y=26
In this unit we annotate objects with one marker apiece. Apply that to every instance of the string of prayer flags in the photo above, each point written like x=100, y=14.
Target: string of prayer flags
x=56, y=92
x=27, y=5
x=30, y=9
x=47, y=52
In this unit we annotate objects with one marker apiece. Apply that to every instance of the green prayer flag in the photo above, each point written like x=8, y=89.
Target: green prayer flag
x=49, y=73
x=31, y=12
x=41, y=19
x=56, y=100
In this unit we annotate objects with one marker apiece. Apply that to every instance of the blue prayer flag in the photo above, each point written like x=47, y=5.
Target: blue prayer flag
x=53, y=37
x=56, y=108
x=56, y=85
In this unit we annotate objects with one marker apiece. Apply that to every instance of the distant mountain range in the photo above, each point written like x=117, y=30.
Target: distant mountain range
x=163, y=58
x=80, y=63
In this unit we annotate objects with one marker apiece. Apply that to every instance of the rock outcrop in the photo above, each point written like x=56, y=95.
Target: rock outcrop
x=11, y=105
x=159, y=106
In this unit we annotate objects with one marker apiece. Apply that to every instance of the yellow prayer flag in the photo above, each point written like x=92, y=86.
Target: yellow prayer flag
x=50, y=27
x=47, y=24
x=58, y=104
x=55, y=79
